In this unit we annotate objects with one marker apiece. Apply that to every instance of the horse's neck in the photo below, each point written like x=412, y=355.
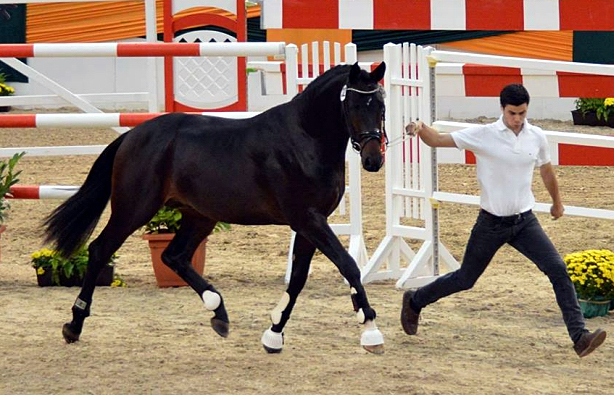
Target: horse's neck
x=322, y=118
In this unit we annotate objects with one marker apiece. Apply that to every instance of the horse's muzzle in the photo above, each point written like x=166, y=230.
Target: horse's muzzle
x=371, y=146
x=372, y=163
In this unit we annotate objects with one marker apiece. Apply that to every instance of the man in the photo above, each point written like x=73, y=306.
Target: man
x=507, y=152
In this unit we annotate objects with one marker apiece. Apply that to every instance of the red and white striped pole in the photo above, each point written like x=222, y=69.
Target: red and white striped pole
x=42, y=191
x=96, y=120
x=141, y=49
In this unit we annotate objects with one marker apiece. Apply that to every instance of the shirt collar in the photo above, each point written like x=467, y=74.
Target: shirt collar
x=500, y=125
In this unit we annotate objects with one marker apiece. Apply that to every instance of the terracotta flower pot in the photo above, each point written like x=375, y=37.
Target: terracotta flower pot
x=165, y=277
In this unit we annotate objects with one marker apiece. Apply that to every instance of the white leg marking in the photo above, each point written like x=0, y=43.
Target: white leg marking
x=360, y=315
x=212, y=300
x=353, y=291
x=281, y=306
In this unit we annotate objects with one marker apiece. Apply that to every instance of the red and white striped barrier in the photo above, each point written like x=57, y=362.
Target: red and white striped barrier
x=511, y=15
x=142, y=49
x=469, y=84
x=474, y=75
x=572, y=149
x=471, y=80
x=42, y=191
x=98, y=120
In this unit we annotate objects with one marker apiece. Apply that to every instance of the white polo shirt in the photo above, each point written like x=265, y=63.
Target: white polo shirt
x=505, y=164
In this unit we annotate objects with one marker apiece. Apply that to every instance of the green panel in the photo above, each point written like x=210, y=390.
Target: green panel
x=593, y=47
x=12, y=31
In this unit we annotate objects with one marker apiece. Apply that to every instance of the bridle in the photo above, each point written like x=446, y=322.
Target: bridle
x=364, y=137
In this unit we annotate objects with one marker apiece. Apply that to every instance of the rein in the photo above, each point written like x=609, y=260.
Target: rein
x=365, y=137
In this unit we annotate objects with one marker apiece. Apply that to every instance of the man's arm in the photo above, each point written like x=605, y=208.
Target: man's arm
x=547, y=173
x=430, y=136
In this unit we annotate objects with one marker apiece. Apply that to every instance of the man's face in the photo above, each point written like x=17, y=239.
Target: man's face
x=514, y=116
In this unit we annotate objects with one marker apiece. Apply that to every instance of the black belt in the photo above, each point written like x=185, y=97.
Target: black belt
x=516, y=218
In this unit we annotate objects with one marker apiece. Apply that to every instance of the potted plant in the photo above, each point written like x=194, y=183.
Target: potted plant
x=592, y=273
x=5, y=90
x=594, y=112
x=159, y=232
x=8, y=178
x=53, y=269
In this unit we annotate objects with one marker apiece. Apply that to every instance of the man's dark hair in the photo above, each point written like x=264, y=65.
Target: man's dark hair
x=514, y=94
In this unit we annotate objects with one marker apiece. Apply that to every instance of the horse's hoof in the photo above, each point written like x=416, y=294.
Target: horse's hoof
x=272, y=350
x=220, y=327
x=372, y=339
x=377, y=349
x=69, y=335
x=272, y=342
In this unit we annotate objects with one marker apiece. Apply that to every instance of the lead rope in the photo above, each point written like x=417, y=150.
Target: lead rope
x=400, y=139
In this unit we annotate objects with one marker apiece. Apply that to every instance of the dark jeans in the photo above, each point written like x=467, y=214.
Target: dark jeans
x=525, y=234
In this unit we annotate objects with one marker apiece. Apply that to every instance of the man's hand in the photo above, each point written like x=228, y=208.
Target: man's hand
x=557, y=210
x=413, y=128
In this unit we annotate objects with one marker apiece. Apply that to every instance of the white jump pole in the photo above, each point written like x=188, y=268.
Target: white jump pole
x=98, y=120
x=141, y=49
x=523, y=63
x=42, y=191
x=80, y=120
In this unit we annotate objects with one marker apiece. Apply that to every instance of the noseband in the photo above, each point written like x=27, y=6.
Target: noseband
x=364, y=137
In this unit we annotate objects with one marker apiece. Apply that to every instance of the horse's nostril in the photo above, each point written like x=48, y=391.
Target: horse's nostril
x=372, y=164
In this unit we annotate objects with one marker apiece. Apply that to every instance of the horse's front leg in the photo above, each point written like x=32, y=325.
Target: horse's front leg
x=272, y=339
x=319, y=233
x=178, y=255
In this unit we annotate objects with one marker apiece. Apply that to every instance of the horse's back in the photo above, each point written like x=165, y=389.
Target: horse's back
x=238, y=170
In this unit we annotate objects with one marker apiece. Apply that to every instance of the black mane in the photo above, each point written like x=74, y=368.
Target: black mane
x=322, y=81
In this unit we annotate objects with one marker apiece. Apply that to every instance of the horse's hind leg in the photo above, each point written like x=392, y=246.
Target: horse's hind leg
x=272, y=339
x=178, y=257
x=100, y=252
x=120, y=226
x=316, y=230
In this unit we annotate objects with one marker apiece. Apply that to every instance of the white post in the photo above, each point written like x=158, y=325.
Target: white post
x=151, y=34
x=291, y=70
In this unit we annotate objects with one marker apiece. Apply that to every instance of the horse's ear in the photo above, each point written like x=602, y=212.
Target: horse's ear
x=378, y=73
x=354, y=72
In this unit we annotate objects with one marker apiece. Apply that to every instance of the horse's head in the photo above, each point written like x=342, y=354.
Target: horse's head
x=363, y=107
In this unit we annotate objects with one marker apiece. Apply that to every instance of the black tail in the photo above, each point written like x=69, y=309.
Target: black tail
x=70, y=225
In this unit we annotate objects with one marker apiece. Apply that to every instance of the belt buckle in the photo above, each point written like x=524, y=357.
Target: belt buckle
x=518, y=218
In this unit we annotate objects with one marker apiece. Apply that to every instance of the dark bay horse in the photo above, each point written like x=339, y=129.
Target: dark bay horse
x=285, y=166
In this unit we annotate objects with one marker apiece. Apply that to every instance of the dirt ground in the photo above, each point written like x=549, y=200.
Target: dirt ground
x=505, y=336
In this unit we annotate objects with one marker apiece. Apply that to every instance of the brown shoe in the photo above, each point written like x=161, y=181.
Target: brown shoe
x=589, y=342
x=409, y=318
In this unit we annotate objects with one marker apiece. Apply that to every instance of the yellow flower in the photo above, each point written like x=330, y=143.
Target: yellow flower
x=40, y=271
x=118, y=282
x=592, y=272
x=608, y=102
